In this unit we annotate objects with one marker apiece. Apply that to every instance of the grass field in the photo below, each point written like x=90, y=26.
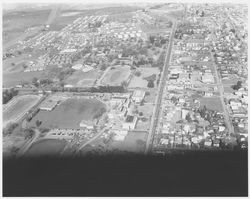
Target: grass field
x=46, y=147
x=20, y=106
x=69, y=113
x=212, y=103
x=133, y=142
x=140, y=82
x=15, y=23
x=11, y=79
x=82, y=79
x=115, y=76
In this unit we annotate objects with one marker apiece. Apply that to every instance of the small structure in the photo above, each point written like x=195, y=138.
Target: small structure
x=138, y=96
x=48, y=105
x=88, y=124
x=130, y=122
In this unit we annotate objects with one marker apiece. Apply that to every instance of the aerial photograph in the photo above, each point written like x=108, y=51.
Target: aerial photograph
x=125, y=99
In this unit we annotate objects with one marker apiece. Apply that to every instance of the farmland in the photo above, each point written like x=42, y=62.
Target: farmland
x=69, y=113
x=15, y=23
x=116, y=75
x=16, y=108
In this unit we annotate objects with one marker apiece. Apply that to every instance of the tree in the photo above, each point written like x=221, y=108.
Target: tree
x=188, y=118
x=141, y=114
x=124, y=84
x=38, y=123
x=137, y=73
x=237, y=86
x=150, y=84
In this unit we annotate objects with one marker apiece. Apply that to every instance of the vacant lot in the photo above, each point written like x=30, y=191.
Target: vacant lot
x=114, y=76
x=212, y=103
x=82, y=79
x=17, y=107
x=69, y=113
x=46, y=147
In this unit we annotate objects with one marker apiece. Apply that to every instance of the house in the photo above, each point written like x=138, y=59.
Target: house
x=207, y=78
x=77, y=67
x=138, y=96
x=130, y=122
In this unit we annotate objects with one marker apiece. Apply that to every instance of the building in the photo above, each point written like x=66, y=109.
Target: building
x=88, y=124
x=130, y=122
x=138, y=96
x=48, y=105
x=120, y=135
x=207, y=78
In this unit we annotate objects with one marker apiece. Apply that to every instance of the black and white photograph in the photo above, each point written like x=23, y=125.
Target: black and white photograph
x=124, y=98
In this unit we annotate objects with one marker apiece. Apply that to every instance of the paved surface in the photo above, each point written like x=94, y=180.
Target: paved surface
x=162, y=84
x=221, y=91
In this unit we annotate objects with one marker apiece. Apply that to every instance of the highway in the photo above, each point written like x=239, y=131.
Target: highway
x=162, y=84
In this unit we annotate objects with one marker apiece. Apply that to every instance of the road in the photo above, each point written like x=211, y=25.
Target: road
x=162, y=84
x=221, y=91
x=28, y=145
x=91, y=140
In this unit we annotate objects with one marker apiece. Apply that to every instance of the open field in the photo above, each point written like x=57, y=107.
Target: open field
x=143, y=125
x=11, y=79
x=140, y=82
x=114, y=76
x=212, y=103
x=13, y=65
x=151, y=97
x=15, y=23
x=82, y=79
x=46, y=147
x=133, y=142
x=69, y=113
x=16, y=108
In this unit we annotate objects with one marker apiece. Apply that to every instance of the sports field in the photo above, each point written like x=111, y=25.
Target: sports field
x=82, y=79
x=114, y=76
x=69, y=113
x=16, y=108
x=46, y=147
